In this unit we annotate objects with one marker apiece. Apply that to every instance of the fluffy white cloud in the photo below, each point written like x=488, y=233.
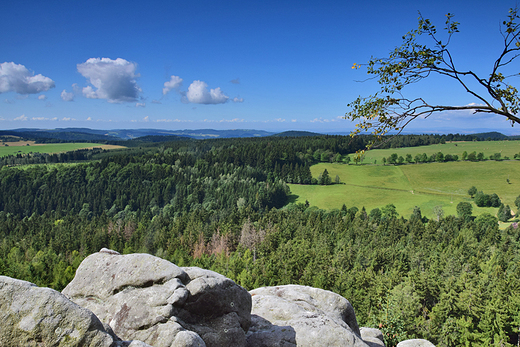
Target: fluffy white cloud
x=42, y=97
x=238, y=99
x=22, y=117
x=67, y=96
x=114, y=80
x=198, y=94
x=16, y=78
x=140, y=104
x=174, y=83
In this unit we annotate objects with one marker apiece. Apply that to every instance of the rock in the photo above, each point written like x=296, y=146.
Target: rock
x=415, y=343
x=44, y=317
x=372, y=337
x=294, y=315
x=213, y=295
x=150, y=299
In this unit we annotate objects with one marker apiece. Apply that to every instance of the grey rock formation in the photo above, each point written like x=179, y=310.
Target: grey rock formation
x=294, y=315
x=415, y=343
x=372, y=337
x=33, y=316
x=150, y=299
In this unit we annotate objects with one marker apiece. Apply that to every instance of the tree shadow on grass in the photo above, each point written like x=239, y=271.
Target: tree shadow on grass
x=291, y=199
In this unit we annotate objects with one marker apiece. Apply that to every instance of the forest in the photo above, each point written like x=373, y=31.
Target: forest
x=223, y=204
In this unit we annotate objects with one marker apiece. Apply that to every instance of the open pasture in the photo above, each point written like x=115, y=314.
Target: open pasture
x=505, y=148
x=406, y=186
x=23, y=147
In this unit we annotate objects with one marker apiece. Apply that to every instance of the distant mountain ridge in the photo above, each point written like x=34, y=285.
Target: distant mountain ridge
x=161, y=135
x=86, y=134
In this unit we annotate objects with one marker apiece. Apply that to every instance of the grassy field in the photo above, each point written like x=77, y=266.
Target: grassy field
x=406, y=186
x=23, y=147
x=506, y=148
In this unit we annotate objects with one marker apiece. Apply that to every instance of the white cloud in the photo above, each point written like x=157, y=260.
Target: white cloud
x=174, y=83
x=279, y=120
x=146, y=119
x=320, y=120
x=67, y=96
x=22, y=117
x=140, y=104
x=114, y=80
x=17, y=78
x=234, y=120
x=238, y=99
x=89, y=119
x=39, y=118
x=293, y=120
x=67, y=119
x=173, y=120
x=198, y=94
x=42, y=97
x=156, y=102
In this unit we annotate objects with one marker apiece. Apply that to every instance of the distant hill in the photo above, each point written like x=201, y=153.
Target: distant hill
x=57, y=135
x=296, y=134
x=85, y=134
x=160, y=135
x=159, y=138
x=494, y=135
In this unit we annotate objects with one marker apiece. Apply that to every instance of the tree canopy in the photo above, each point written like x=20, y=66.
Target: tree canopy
x=389, y=109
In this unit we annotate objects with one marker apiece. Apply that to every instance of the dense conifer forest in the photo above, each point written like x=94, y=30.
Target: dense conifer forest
x=224, y=205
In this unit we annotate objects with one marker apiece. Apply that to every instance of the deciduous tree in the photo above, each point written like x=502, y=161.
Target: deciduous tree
x=390, y=109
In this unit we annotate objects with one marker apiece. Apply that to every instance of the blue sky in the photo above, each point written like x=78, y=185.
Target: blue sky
x=271, y=65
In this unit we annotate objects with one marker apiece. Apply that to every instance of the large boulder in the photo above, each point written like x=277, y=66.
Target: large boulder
x=415, y=343
x=372, y=337
x=34, y=316
x=150, y=299
x=294, y=315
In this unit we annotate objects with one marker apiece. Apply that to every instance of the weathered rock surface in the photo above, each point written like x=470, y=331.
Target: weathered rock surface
x=372, y=337
x=294, y=315
x=150, y=299
x=415, y=343
x=139, y=297
x=34, y=316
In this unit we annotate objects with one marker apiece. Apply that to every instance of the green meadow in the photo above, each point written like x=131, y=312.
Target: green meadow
x=14, y=148
x=424, y=185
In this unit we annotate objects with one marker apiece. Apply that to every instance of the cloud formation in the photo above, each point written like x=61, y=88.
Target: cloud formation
x=238, y=99
x=67, y=96
x=113, y=80
x=198, y=94
x=23, y=117
x=42, y=97
x=17, y=78
x=174, y=83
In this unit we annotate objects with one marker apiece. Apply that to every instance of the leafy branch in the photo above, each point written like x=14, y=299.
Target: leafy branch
x=388, y=109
